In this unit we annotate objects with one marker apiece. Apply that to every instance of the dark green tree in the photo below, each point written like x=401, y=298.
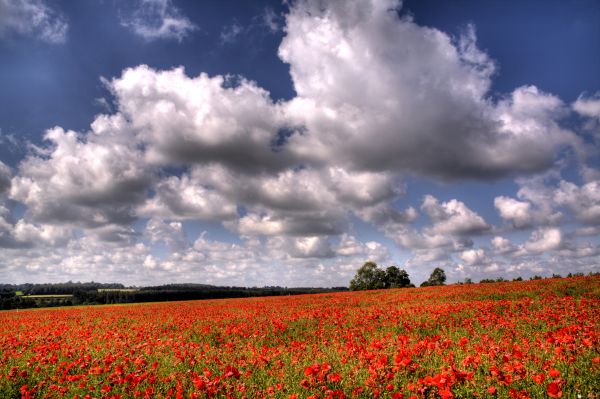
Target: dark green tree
x=396, y=278
x=437, y=277
x=368, y=277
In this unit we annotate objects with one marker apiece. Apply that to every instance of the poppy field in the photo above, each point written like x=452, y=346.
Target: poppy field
x=533, y=339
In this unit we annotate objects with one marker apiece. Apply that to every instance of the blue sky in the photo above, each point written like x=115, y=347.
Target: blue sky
x=266, y=143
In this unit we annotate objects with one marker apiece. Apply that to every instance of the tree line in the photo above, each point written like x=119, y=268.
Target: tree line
x=371, y=277
x=17, y=296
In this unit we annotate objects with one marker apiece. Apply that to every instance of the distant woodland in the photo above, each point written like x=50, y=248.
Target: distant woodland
x=22, y=296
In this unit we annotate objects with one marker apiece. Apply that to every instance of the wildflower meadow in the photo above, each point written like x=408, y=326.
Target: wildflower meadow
x=532, y=339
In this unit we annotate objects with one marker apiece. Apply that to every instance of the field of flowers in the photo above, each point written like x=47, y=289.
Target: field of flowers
x=533, y=339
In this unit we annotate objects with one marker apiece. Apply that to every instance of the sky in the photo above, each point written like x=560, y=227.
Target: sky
x=286, y=143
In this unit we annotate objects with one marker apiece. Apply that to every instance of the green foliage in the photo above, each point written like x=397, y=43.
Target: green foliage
x=368, y=277
x=371, y=277
x=437, y=277
x=396, y=278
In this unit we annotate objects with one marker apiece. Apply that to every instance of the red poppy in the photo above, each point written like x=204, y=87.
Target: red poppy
x=554, y=390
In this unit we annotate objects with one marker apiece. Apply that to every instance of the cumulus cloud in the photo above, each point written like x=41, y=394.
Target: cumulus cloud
x=157, y=19
x=452, y=217
x=27, y=234
x=524, y=214
x=301, y=247
x=502, y=245
x=24, y=235
x=452, y=226
x=517, y=212
x=583, y=201
x=474, y=256
x=582, y=250
x=288, y=224
x=356, y=67
x=410, y=238
x=200, y=120
x=388, y=218
x=543, y=240
x=87, y=181
x=535, y=205
x=301, y=201
x=184, y=198
x=33, y=18
x=170, y=233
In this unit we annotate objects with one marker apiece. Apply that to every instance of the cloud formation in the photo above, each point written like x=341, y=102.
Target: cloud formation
x=157, y=19
x=379, y=92
x=378, y=98
x=588, y=106
x=32, y=18
x=91, y=181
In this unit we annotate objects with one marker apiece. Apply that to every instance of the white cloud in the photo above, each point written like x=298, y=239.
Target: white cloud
x=27, y=234
x=184, y=198
x=543, y=240
x=535, y=205
x=452, y=217
x=524, y=214
x=583, y=201
x=412, y=239
x=157, y=19
x=199, y=120
x=517, y=212
x=583, y=250
x=350, y=246
x=385, y=216
x=502, y=245
x=171, y=233
x=356, y=68
x=300, y=247
x=588, y=106
x=301, y=201
x=90, y=181
x=474, y=256
x=363, y=189
x=303, y=224
x=33, y=18
x=453, y=223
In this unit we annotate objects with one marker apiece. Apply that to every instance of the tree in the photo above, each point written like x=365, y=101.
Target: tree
x=437, y=277
x=396, y=278
x=368, y=277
